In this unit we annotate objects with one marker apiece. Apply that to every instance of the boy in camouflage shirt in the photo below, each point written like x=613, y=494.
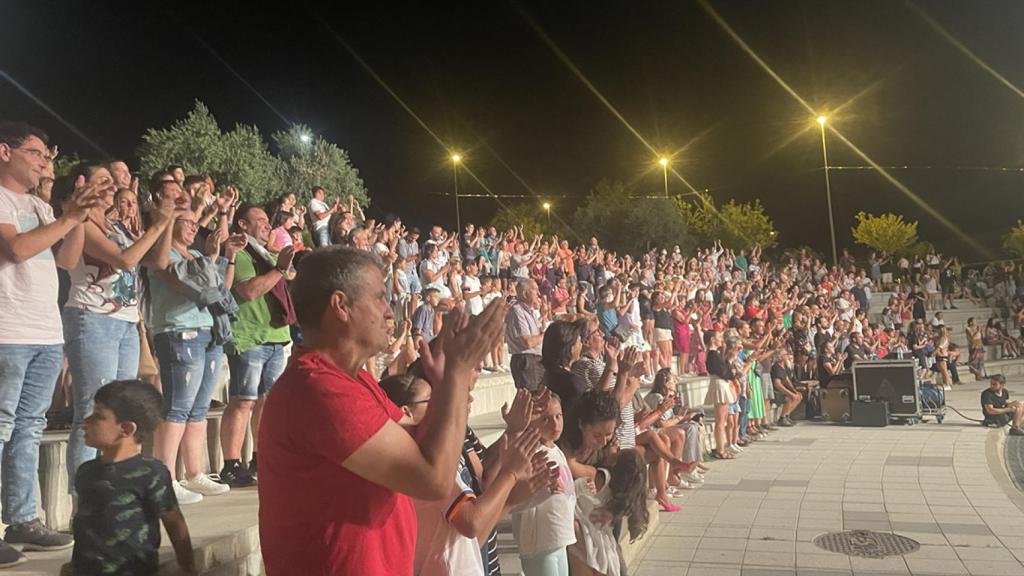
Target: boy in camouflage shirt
x=122, y=494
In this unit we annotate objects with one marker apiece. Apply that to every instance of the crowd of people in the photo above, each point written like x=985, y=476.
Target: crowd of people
x=126, y=297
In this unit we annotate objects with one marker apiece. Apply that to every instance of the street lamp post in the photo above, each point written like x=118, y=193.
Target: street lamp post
x=822, y=120
x=664, y=169
x=547, y=208
x=456, y=160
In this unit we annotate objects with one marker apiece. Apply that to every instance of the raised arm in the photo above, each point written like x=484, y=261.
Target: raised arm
x=425, y=467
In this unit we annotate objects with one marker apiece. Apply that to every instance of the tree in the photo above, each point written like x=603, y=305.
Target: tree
x=525, y=214
x=627, y=223
x=736, y=225
x=887, y=233
x=238, y=158
x=746, y=225
x=1014, y=240
x=308, y=161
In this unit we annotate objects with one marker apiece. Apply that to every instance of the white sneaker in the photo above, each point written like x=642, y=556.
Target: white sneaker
x=693, y=477
x=186, y=496
x=736, y=448
x=203, y=484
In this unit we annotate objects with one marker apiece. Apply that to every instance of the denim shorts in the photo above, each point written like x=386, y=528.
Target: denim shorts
x=189, y=368
x=734, y=408
x=254, y=371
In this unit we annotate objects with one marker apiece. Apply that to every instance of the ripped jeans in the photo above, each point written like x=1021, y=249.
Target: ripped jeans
x=189, y=365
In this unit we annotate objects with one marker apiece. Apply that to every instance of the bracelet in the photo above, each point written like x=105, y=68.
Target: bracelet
x=231, y=263
x=223, y=212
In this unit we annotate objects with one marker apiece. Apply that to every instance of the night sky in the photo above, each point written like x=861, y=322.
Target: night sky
x=485, y=83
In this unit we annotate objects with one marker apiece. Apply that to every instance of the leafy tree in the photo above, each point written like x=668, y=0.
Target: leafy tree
x=1014, y=240
x=746, y=225
x=887, y=233
x=656, y=223
x=736, y=225
x=525, y=214
x=309, y=161
x=604, y=214
x=238, y=158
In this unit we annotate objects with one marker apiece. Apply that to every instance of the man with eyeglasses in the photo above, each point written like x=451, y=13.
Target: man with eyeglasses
x=31, y=338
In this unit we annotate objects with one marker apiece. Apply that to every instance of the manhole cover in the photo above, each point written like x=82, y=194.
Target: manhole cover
x=867, y=544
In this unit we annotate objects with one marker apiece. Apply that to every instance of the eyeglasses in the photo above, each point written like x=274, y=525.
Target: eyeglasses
x=37, y=154
x=188, y=223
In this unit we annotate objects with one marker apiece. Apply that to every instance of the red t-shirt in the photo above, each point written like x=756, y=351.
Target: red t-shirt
x=316, y=517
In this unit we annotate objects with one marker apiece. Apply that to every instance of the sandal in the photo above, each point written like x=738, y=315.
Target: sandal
x=722, y=455
x=667, y=506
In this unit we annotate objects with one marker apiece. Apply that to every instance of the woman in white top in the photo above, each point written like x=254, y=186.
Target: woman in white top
x=101, y=316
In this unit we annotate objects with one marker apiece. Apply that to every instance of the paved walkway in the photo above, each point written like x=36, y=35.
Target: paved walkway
x=943, y=485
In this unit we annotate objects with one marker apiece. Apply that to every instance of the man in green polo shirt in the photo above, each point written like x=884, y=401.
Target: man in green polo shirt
x=257, y=357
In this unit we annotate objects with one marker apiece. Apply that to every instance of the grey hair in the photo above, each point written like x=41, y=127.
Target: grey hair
x=324, y=272
x=522, y=286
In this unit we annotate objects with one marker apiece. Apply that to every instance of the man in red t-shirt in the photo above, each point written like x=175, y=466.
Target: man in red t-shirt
x=337, y=473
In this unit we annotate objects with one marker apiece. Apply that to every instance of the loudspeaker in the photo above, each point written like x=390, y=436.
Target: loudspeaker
x=835, y=404
x=870, y=413
x=892, y=381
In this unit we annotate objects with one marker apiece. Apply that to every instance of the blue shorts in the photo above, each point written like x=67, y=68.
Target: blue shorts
x=254, y=371
x=734, y=408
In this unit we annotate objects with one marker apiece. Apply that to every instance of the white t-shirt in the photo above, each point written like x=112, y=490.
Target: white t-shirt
x=318, y=206
x=440, y=549
x=100, y=288
x=546, y=521
x=28, y=291
x=475, y=305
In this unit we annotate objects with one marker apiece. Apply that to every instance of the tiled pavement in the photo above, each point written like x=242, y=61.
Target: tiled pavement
x=939, y=484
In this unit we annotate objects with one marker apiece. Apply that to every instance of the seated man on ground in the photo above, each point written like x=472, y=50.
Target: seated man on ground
x=998, y=410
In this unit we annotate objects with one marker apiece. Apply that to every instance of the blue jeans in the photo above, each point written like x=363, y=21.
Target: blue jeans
x=744, y=415
x=189, y=366
x=254, y=371
x=322, y=236
x=100, y=350
x=28, y=374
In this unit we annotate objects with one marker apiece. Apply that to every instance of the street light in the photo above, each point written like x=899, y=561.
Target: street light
x=664, y=169
x=547, y=208
x=306, y=138
x=456, y=160
x=822, y=120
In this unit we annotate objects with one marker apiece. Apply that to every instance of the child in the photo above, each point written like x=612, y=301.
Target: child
x=121, y=493
x=544, y=526
x=452, y=530
x=615, y=493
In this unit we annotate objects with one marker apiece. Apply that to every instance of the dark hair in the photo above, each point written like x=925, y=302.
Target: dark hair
x=14, y=134
x=316, y=189
x=559, y=339
x=64, y=186
x=708, y=336
x=133, y=401
x=324, y=272
x=295, y=229
x=241, y=214
x=192, y=179
x=280, y=217
x=628, y=487
x=660, y=385
x=170, y=169
x=589, y=408
x=399, y=387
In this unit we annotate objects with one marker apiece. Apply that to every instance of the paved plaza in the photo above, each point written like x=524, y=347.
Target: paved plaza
x=943, y=485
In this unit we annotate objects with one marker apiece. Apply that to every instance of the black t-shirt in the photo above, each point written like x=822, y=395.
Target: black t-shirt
x=584, y=272
x=990, y=398
x=851, y=350
x=717, y=366
x=117, y=528
x=646, y=309
x=663, y=319
x=918, y=299
x=780, y=372
x=567, y=385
